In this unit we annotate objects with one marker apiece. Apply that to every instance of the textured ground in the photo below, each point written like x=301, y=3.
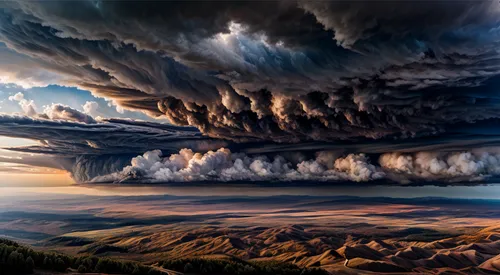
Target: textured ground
x=387, y=250
x=342, y=234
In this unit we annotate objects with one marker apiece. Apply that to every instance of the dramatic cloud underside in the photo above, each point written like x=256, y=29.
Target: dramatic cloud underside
x=294, y=75
x=105, y=150
x=96, y=148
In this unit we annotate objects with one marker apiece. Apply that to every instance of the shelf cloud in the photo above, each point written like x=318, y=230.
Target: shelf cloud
x=110, y=150
x=356, y=78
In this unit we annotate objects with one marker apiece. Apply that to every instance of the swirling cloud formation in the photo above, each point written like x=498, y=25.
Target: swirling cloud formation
x=352, y=76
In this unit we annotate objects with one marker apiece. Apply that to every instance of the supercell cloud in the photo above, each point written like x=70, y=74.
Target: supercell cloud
x=394, y=78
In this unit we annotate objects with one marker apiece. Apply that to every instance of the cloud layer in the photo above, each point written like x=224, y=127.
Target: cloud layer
x=89, y=148
x=346, y=78
x=295, y=71
x=440, y=165
x=104, y=150
x=223, y=165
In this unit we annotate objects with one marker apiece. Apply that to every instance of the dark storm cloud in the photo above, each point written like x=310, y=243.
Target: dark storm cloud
x=294, y=71
x=96, y=148
x=355, y=24
x=108, y=149
x=109, y=136
x=326, y=75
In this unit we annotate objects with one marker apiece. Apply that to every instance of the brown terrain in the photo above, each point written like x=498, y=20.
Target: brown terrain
x=343, y=235
x=305, y=246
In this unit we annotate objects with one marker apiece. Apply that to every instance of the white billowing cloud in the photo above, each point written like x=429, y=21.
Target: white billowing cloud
x=55, y=111
x=435, y=165
x=397, y=162
x=17, y=97
x=90, y=108
x=223, y=165
x=63, y=112
x=28, y=106
x=358, y=167
x=119, y=109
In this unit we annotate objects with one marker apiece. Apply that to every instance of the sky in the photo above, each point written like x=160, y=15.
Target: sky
x=334, y=91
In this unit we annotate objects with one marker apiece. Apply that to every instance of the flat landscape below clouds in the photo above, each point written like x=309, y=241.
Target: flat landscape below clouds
x=378, y=234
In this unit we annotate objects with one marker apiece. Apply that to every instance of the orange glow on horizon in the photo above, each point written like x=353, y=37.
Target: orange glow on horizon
x=32, y=180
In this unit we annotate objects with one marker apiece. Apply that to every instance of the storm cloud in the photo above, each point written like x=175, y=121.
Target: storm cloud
x=89, y=148
x=108, y=136
x=295, y=71
x=352, y=77
x=222, y=165
x=111, y=150
x=226, y=166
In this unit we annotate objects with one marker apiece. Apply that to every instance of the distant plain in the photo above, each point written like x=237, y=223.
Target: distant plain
x=307, y=226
